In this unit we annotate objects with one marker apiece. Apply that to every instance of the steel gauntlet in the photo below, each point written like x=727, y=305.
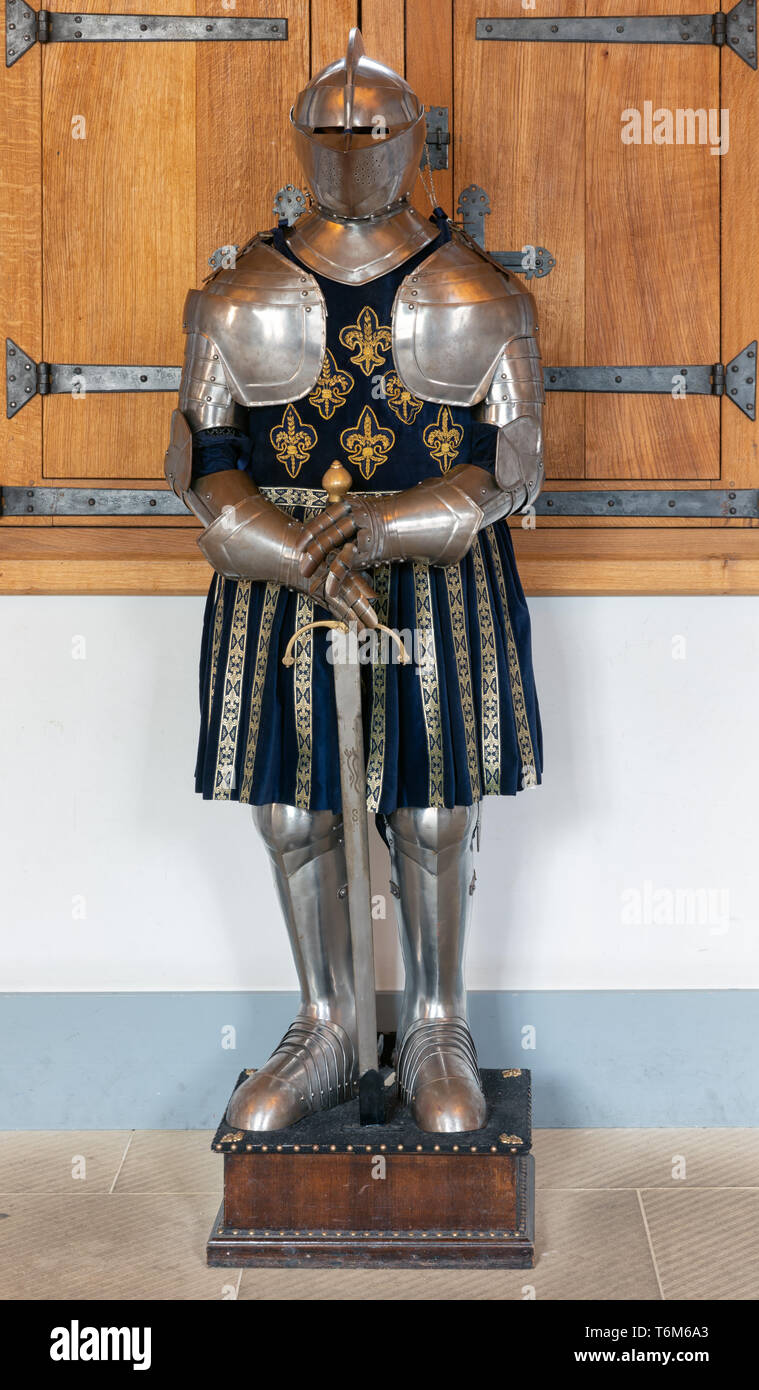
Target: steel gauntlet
x=436, y=521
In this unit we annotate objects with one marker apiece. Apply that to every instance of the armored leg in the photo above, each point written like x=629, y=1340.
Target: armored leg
x=314, y=1066
x=431, y=853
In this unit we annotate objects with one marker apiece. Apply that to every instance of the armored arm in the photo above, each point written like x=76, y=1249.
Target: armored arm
x=245, y=535
x=229, y=365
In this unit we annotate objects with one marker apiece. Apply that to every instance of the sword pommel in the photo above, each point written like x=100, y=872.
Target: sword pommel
x=336, y=482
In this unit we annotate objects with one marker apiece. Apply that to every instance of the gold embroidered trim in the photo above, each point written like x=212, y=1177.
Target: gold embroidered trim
x=463, y=666
x=443, y=438
x=370, y=338
x=428, y=683
x=332, y=387
x=303, y=701
x=268, y=609
x=375, y=765
x=224, y=779
x=524, y=737
x=293, y=441
x=303, y=670
x=491, y=711
x=366, y=443
x=316, y=497
x=218, y=622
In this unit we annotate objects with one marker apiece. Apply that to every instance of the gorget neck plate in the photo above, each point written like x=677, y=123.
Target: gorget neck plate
x=354, y=251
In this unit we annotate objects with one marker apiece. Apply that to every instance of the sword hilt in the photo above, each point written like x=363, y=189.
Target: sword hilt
x=336, y=483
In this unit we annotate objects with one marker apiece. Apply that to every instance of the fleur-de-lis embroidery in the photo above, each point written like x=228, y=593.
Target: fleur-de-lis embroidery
x=292, y=441
x=370, y=338
x=331, y=389
x=443, y=438
x=402, y=402
x=366, y=445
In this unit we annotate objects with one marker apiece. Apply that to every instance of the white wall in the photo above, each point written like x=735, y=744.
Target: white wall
x=651, y=784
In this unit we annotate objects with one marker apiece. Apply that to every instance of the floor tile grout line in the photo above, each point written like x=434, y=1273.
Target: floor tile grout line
x=672, y=1186
x=650, y=1242
x=121, y=1165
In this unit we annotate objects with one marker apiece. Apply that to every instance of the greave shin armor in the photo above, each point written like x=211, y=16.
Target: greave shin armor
x=431, y=853
x=314, y=1066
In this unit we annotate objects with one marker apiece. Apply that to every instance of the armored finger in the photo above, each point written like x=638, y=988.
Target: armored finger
x=360, y=608
x=316, y=549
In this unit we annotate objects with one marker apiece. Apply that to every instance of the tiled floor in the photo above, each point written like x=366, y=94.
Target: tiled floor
x=627, y=1214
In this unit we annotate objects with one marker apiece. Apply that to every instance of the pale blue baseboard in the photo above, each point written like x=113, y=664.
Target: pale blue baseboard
x=602, y=1058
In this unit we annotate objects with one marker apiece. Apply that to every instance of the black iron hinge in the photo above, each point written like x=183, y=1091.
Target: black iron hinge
x=693, y=503
x=26, y=378
x=736, y=380
x=734, y=29
x=24, y=27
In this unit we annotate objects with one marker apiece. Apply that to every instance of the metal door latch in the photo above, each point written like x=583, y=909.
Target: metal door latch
x=438, y=138
x=24, y=27
x=734, y=29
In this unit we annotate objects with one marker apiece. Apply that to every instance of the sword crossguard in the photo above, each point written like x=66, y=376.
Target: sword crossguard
x=289, y=659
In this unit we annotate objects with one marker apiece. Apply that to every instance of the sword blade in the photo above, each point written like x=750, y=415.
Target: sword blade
x=350, y=736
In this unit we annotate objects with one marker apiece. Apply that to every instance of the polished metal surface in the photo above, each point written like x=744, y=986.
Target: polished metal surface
x=252, y=538
x=350, y=739
x=435, y=521
x=205, y=397
x=359, y=132
x=519, y=466
x=314, y=1066
x=438, y=1076
x=353, y=252
x=432, y=865
x=453, y=318
x=266, y=320
x=178, y=467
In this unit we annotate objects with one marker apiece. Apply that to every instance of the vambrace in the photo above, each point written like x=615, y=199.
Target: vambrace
x=514, y=403
x=435, y=521
x=250, y=537
x=245, y=536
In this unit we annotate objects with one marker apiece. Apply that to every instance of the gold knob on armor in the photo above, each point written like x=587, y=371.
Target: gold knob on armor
x=336, y=482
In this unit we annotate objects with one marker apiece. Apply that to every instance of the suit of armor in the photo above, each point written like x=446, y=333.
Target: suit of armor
x=280, y=349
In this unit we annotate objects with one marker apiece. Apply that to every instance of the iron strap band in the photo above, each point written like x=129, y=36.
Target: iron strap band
x=634, y=502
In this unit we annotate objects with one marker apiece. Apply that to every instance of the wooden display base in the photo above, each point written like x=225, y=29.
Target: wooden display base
x=329, y=1192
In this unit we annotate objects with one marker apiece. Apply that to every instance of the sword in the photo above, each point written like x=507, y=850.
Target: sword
x=350, y=740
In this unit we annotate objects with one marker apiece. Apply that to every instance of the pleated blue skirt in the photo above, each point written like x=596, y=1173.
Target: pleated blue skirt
x=459, y=723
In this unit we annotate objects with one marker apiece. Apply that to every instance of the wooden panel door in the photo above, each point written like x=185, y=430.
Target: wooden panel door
x=126, y=168
x=634, y=228
x=140, y=161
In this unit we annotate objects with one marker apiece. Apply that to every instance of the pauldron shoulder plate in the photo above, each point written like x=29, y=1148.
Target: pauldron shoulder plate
x=453, y=319
x=266, y=320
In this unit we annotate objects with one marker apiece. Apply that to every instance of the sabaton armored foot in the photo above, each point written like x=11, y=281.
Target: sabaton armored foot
x=312, y=1069
x=438, y=1076
x=431, y=852
x=315, y=1065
